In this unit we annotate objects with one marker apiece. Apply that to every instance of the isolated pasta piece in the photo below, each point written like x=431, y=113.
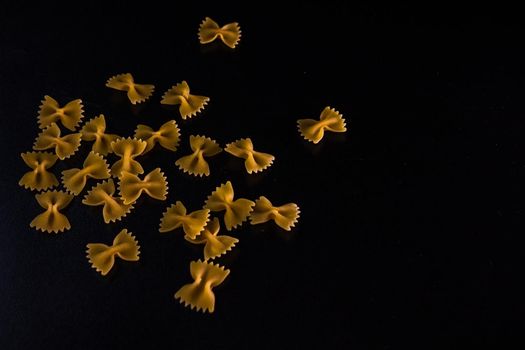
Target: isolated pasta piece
x=237, y=211
x=103, y=194
x=313, y=130
x=39, y=178
x=95, y=130
x=195, y=164
x=255, y=161
x=215, y=245
x=199, y=294
x=192, y=223
x=168, y=136
x=209, y=30
x=50, y=138
x=102, y=257
x=137, y=93
x=95, y=166
x=127, y=150
x=190, y=105
x=69, y=115
x=285, y=216
x=52, y=220
x=154, y=184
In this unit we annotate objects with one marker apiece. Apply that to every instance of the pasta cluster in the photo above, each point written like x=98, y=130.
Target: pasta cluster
x=117, y=186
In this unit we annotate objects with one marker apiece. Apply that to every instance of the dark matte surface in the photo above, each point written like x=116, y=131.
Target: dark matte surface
x=408, y=233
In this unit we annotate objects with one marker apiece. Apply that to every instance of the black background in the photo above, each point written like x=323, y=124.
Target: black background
x=410, y=231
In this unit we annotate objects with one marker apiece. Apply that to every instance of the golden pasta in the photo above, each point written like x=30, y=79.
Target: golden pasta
x=176, y=216
x=254, y=161
x=52, y=220
x=215, y=245
x=64, y=146
x=154, y=184
x=103, y=194
x=313, y=130
x=195, y=164
x=286, y=216
x=39, y=178
x=190, y=105
x=137, y=93
x=102, y=257
x=209, y=30
x=69, y=115
x=199, y=294
x=95, y=166
x=168, y=136
x=95, y=130
x=237, y=211
x=127, y=150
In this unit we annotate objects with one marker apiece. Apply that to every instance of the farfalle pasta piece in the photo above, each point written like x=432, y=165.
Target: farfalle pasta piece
x=52, y=220
x=154, y=184
x=209, y=30
x=137, y=93
x=199, y=294
x=190, y=105
x=237, y=211
x=69, y=115
x=95, y=130
x=192, y=223
x=168, y=136
x=285, y=216
x=254, y=161
x=103, y=194
x=215, y=245
x=102, y=257
x=64, y=146
x=313, y=130
x=39, y=178
x=195, y=164
x=95, y=166
x=127, y=150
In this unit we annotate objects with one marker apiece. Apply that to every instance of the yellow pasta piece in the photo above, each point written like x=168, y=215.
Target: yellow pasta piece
x=64, y=146
x=95, y=166
x=199, y=294
x=103, y=194
x=236, y=211
x=39, y=178
x=94, y=130
x=192, y=223
x=137, y=93
x=285, y=216
x=195, y=164
x=255, y=161
x=154, y=184
x=127, y=150
x=50, y=111
x=209, y=30
x=313, y=130
x=167, y=136
x=102, y=257
x=52, y=220
x=215, y=245
x=190, y=105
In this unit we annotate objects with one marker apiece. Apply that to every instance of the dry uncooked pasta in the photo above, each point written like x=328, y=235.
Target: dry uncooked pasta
x=199, y=294
x=176, y=216
x=190, y=104
x=95, y=166
x=285, y=216
x=52, y=220
x=168, y=136
x=51, y=112
x=215, y=245
x=95, y=130
x=103, y=194
x=209, y=30
x=127, y=150
x=154, y=184
x=195, y=164
x=137, y=93
x=102, y=257
x=65, y=146
x=254, y=161
x=313, y=130
x=236, y=211
x=39, y=178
